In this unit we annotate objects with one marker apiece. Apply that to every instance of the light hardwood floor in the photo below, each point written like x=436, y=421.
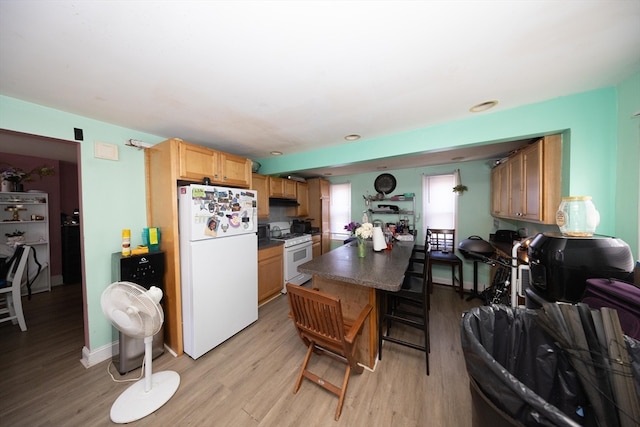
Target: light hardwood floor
x=247, y=381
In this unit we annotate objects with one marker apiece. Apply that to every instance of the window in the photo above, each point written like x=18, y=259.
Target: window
x=340, y=210
x=439, y=202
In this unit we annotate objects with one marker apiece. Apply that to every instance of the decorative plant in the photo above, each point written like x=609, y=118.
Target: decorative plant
x=460, y=188
x=16, y=233
x=13, y=174
x=365, y=231
x=351, y=227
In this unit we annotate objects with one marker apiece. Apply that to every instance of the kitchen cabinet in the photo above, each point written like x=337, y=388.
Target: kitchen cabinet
x=319, y=202
x=270, y=273
x=167, y=163
x=302, y=196
x=196, y=163
x=282, y=188
x=527, y=186
x=28, y=213
x=316, y=245
x=500, y=188
x=260, y=183
x=235, y=171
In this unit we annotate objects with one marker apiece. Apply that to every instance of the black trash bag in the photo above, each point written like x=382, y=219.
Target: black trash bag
x=521, y=369
x=633, y=347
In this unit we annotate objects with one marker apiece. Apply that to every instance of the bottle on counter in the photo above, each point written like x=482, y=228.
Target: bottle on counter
x=126, y=242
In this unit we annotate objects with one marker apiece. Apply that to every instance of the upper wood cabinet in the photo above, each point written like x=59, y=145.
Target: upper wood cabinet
x=261, y=185
x=527, y=186
x=500, y=188
x=302, y=196
x=196, y=163
x=282, y=188
x=234, y=170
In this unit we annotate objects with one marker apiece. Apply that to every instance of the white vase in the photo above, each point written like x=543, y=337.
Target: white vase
x=6, y=187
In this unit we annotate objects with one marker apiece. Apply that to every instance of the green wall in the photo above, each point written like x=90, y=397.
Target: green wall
x=112, y=194
x=588, y=121
x=628, y=162
x=602, y=161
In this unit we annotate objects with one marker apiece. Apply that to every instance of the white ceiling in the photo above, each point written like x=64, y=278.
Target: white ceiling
x=250, y=77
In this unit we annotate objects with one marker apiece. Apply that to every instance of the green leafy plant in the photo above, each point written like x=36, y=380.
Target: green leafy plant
x=460, y=188
x=10, y=173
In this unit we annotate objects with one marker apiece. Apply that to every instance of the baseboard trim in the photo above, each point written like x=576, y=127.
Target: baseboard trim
x=93, y=357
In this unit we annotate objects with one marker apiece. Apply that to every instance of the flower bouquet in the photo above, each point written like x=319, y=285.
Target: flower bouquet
x=365, y=231
x=351, y=227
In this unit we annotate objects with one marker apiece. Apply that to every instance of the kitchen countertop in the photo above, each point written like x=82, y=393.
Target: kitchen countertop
x=380, y=270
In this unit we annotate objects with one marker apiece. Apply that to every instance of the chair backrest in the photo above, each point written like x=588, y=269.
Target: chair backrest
x=317, y=317
x=18, y=266
x=441, y=239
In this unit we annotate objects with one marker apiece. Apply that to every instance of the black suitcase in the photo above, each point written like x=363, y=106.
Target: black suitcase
x=622, y=296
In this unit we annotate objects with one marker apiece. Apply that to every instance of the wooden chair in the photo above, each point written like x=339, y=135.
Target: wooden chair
x=442, y=251
x=12, y=298
x=318, y=319
x=409, y=306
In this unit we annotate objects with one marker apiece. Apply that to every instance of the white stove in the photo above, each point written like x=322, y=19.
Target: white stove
x=296, y=251
x=293, y=239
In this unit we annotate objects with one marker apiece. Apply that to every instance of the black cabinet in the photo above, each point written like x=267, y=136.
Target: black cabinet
x=71, y=254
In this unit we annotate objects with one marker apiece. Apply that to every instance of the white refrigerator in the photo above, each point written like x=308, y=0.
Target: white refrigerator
x=219, y=264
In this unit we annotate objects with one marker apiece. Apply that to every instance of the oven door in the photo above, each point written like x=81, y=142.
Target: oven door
x=293, y=257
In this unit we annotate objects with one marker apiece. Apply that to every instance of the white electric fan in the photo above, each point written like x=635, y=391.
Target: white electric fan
x=136, y=312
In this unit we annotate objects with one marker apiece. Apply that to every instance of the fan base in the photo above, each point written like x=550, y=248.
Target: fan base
x=134, y=403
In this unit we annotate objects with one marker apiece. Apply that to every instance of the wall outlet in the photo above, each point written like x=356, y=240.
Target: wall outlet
x=496, y=223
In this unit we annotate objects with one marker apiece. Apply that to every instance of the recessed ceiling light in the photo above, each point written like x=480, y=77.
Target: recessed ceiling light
x=483, y=106
x=276, y=153
x=352, y=137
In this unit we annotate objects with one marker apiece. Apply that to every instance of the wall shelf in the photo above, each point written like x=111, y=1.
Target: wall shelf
x=36, y=232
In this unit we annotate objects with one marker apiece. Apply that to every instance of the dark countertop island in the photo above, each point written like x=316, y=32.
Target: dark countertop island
x=380, y=270
x=356, y=282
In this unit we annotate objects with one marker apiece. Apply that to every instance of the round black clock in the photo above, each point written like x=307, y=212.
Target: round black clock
x=385, y=183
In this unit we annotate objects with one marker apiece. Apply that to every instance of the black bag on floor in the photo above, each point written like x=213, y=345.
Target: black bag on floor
x=520, y=369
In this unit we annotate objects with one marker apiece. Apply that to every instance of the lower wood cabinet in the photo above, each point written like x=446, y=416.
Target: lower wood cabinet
x=316, y=245
x=270, y=273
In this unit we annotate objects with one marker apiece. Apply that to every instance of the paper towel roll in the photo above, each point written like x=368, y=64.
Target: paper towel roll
x=379, y=243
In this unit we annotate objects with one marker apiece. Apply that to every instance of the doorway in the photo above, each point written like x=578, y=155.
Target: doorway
x=26, y=150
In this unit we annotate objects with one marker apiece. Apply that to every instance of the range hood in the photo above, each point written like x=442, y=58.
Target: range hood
x=278, y=201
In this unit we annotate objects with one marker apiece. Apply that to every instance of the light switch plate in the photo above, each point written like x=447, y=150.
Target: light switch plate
x=102, y=150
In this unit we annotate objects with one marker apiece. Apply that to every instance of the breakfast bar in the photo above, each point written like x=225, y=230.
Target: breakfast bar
x=355, y=280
